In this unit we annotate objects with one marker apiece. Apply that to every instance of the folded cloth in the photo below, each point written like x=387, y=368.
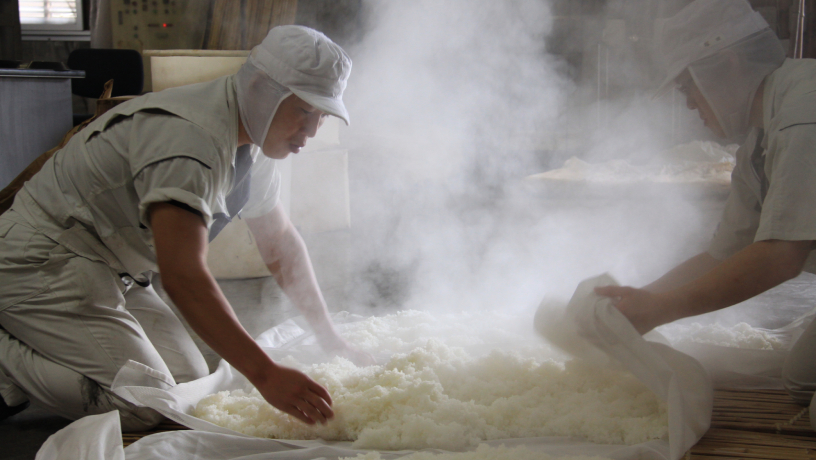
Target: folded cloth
x=591, y=325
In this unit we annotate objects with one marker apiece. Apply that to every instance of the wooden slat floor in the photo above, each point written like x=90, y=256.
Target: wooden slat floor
x=756, y=425
x=167, y=425
x=749, y=425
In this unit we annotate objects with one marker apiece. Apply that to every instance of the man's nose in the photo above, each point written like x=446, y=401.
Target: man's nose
x=690, y=103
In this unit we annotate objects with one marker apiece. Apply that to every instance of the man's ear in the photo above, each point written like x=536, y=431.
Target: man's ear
x=736, y=69
x=734, y=63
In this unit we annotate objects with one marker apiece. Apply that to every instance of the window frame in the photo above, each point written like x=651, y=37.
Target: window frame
x=42, y=29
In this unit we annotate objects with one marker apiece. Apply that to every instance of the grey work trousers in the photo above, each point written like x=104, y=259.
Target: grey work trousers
x=68, y=324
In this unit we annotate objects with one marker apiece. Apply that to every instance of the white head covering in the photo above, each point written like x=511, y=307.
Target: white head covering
x=728, y=48
x=291, y=60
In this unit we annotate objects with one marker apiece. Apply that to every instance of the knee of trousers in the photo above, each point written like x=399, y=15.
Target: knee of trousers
x=188, y=365
x=198, y=367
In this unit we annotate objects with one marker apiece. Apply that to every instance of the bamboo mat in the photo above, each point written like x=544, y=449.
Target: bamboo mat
x=722, y=444
x=763, y=411
x=750, y=425
x=167, y=425
x=756, y=425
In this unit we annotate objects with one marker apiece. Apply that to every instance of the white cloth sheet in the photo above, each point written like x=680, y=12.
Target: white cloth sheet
x=95, y=437
x=675, y=377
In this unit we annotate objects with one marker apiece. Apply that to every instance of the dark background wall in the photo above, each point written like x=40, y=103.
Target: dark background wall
x=10, y=40
x=340, y=20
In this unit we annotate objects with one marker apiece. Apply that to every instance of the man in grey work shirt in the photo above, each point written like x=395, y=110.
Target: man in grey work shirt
x=142, y=189
x=733, y=70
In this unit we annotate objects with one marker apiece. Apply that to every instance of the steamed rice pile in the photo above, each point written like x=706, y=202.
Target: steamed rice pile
x=697, y=161
x=441, y=396
x=406, y=330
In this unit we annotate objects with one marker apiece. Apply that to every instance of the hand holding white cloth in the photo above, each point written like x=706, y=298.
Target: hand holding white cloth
x=674, y=377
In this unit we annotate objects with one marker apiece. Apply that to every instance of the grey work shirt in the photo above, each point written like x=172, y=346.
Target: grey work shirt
x=773, y=186
x=176, y=145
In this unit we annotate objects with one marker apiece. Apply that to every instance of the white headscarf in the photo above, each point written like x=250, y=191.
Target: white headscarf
x=291, y=60
x=728, y=48
x=730, y=95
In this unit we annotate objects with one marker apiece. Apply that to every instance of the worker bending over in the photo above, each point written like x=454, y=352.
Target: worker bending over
x=732, y=69
x=142, y=189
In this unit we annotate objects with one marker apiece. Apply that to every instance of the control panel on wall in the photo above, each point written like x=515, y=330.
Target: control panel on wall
x=151, y=24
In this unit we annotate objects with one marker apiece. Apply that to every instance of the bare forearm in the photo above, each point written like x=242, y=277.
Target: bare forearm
x=292, y=269
x=684, y=273
x=209, y=314
x=752, y=271
x=285, y=254
x=181, y=252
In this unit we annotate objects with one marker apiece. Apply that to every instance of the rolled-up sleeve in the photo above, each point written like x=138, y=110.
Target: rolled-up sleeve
x=179, y=179
x=789, y=209
x=174, y=160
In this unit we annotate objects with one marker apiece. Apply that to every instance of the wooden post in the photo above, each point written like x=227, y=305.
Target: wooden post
x=237, y=25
